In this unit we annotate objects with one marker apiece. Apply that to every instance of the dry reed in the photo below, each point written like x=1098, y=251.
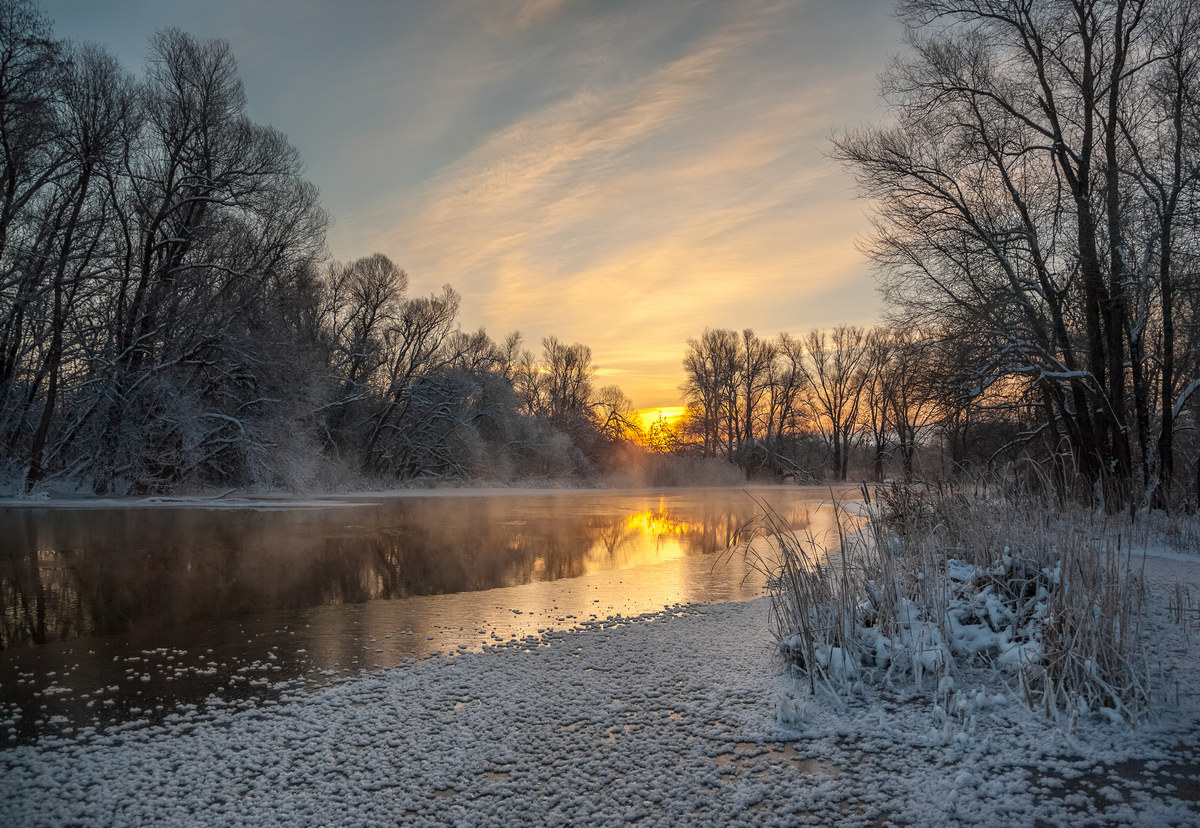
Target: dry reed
x=929, y=580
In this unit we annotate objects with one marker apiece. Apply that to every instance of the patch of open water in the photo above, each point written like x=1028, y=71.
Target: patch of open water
x=115, y=616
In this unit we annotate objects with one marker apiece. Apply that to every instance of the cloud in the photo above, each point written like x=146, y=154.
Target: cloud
x=564, y=156
x=568, y=144
x=674, y=185
x=505, y=17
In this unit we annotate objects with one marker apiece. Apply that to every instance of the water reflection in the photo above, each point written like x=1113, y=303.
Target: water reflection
x=117, y=615
x=71, y=573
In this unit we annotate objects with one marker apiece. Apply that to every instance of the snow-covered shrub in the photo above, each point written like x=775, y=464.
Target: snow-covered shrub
x=1091, y=640
x=816, y=607
x=932, y=582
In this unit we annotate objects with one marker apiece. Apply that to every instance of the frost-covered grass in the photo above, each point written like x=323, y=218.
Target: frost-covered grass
x=681, y=717
x=674, y=718
x=932, y=581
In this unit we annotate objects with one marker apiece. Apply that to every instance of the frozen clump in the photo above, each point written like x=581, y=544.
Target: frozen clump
x=837, y=662
x=924, y=640
x=957, y=570
x=998, y=614
x=875, y=647
x=1015, y=655
x=790, y=710
x=968, y=639
x=794, y=643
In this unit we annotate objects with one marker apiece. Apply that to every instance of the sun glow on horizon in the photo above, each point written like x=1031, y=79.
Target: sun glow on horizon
x=619, y=175
x=670, y=414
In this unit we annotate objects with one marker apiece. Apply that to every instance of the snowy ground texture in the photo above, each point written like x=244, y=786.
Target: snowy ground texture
x=681, y=718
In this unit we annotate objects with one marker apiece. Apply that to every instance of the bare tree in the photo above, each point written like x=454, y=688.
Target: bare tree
x=615, y=416
x=99, y=113
x=568, y=383
x=911, y=386
x=755, y=374
x=1165, y=164
x=31, y=160
x=1010, y=191
x=787, y=385
x=712, y=366
x=877, y=396
x=414, y=351
x=837, y=373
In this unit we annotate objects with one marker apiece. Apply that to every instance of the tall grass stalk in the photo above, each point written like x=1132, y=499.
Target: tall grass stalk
x=930, y=580
x=814, y=598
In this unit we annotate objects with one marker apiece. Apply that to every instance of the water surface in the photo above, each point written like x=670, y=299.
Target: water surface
x=112, y=615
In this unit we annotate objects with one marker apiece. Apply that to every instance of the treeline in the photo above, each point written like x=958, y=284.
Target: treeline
x=1036, y=200
x=887, y=402
x=1036, y=196
x=832, y=402
x=168, y=316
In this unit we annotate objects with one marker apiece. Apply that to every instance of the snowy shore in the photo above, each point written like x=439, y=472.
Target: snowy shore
x=682, y=717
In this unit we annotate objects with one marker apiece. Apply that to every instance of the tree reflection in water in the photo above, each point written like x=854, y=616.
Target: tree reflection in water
x=71, y=573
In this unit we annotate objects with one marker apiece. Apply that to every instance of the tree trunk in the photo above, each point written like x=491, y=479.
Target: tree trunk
x=1166, y=437
x=59, y=322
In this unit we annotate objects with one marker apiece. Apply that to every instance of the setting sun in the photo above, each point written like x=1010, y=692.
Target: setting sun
x=670, y=414
x=659, y=426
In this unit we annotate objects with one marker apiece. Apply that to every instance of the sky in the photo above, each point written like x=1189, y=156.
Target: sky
x=620, y=173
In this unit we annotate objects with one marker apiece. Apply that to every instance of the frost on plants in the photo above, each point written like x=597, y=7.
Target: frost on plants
x=925, y=584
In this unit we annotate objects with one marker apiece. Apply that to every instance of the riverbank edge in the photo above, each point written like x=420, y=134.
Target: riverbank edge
x=685, y=716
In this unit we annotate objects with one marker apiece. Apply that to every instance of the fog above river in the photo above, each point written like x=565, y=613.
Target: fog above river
x=160, y=607
x=71, y=573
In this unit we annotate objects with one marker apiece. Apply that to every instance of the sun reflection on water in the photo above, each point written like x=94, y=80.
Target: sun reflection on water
x=318, y=593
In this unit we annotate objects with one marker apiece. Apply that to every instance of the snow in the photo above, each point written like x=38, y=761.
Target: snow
x=681, y=717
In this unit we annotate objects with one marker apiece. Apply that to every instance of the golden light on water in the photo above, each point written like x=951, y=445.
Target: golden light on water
x=660, y=523
x=646, y=537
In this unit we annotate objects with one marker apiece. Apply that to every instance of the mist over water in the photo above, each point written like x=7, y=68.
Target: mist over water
x=115, y=614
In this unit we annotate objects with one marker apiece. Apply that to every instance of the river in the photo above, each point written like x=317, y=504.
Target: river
x=119, y=614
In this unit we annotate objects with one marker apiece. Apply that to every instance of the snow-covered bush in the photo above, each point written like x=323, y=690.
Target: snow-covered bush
x=931, y=582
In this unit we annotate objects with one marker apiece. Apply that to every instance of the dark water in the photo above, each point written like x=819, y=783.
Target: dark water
x=115, y=615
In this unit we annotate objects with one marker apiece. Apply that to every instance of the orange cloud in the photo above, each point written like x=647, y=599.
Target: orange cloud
x=632, y=212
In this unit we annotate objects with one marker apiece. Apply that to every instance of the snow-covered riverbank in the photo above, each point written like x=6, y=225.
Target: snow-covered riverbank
x=675, y=718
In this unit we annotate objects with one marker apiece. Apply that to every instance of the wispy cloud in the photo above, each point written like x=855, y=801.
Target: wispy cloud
x=504, y=17
x=615, y=172
x=553, y=153
x=647, y=205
